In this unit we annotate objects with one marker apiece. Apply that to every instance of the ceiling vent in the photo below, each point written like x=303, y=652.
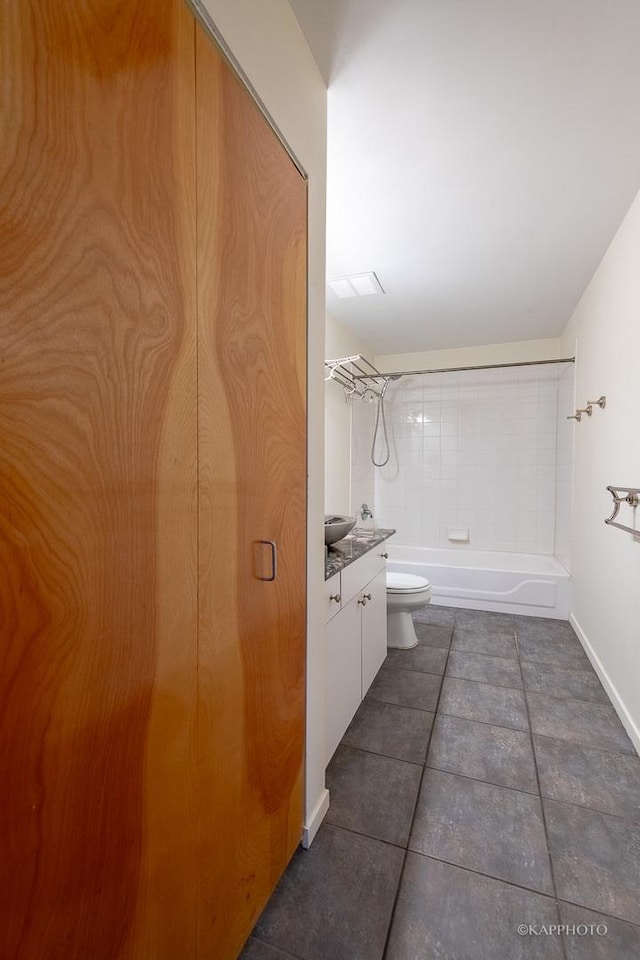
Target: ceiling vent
x=358, y=285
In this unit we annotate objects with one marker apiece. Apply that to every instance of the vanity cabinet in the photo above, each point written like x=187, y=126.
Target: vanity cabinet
x=356, y=640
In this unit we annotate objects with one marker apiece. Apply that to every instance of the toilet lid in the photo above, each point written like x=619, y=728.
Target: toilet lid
x=405, y=583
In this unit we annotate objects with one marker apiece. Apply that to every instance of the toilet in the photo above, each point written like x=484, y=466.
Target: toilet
x=406, y=593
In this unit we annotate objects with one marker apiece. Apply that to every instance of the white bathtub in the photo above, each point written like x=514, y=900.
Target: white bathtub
x=521, y=583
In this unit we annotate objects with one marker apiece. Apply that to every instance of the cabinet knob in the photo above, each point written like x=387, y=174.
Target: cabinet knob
x=363, y=601
x=385, y=555
x=336, y=597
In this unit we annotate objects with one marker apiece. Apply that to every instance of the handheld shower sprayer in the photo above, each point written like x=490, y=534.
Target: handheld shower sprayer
x=380, y=415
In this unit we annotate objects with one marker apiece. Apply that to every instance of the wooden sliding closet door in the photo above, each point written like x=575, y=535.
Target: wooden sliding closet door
x=98, y=507
x=251, y=207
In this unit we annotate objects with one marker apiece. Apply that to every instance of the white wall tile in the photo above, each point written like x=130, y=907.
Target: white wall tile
x=483, y=450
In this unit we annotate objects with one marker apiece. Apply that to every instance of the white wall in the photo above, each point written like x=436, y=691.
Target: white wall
x=265, y=38
x=339, y=342
x=606, y=561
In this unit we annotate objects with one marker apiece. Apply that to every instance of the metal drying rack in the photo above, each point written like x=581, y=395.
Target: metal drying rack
x=630, y=495
x=356, y=375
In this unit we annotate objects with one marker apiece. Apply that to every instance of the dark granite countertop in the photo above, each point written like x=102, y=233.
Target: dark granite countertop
x=339, y=555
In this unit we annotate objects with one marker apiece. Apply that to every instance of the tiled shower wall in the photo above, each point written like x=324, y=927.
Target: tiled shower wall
x=476, y=450
x=363, y=419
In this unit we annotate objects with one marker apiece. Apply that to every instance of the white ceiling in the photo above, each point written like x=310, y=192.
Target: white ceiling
x=482, y=154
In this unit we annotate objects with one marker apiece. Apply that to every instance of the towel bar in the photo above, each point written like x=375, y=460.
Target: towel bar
x=630, y=495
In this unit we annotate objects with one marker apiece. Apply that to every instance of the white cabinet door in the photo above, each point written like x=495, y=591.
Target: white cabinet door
x=343, y=673
x=332, y=597
x=374, y=628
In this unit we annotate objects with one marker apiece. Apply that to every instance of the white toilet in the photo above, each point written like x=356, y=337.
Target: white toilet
x=405, y=594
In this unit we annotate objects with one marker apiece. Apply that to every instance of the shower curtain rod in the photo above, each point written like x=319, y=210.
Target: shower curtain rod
x=484, y=366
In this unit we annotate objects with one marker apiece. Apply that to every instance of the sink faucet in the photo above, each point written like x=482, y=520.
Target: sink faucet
x=365, y=512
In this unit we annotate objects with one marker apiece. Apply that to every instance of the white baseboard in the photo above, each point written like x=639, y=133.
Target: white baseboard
x=315, y=819
x=625, y=717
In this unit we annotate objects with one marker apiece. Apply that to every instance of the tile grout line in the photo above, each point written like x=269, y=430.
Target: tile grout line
x=605, y=916
x=569, y=668
x=485, y=723
x=459, y=866
x=415, y=806
x=490, y=783
x=504, y=786
x=580, y=806
x=544, y=736
x=478, y=873
x=386, y=756
x=542, y=811
x=394, y=703
x=486, y=683
x=538, y=693
x=491, y=876
x=369, y=836
x=493, y=783
x=425, y=673
x=286, y=954
x=590, y=746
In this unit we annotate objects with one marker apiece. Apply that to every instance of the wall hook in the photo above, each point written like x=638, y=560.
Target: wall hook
x=600, y=402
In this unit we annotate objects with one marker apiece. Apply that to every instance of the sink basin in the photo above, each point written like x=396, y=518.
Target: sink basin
x=337, y=527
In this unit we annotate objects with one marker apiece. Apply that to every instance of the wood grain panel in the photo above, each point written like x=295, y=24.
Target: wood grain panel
x=251, y=204
x=97, y=478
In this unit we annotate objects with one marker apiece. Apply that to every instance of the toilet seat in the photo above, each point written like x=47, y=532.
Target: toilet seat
x=406, y=583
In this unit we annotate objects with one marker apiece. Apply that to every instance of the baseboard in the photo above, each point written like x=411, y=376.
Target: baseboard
x=317, y=816
x=625, y=717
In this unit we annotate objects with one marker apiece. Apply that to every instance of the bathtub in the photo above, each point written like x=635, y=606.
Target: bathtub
x=523, y=583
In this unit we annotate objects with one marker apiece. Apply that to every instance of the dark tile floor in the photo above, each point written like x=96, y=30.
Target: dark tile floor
x=485, y=784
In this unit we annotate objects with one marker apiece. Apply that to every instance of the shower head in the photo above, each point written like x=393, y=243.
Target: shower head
x=388, y=377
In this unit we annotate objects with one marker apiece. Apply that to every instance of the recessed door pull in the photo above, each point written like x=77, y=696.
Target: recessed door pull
x=274, y=560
